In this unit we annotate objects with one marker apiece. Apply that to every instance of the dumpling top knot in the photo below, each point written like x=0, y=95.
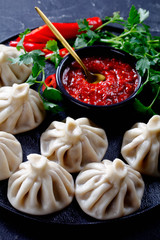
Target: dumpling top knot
x=119, y=168
x=73, y=131
x=20, y=91
x=38, y=163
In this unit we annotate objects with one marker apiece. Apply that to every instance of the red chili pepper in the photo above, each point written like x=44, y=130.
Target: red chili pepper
x=50, y=82
x=41, y=46
x=68, y=30
x=39, y=38
x=13, y=43
x=95, y=22
x=18, y=39
x=29, y=46
x=62, y=52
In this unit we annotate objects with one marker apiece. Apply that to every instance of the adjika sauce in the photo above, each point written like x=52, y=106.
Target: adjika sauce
x=121, y=81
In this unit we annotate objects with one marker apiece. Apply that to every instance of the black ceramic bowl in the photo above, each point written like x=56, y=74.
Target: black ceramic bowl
x=99, y=51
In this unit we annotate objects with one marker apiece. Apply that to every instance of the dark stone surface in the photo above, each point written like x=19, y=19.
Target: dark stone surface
x=15, y=17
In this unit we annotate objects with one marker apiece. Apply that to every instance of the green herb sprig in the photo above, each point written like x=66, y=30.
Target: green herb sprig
x=87, y=37
x=55, y=58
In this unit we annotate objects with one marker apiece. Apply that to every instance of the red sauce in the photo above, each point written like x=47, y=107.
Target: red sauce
x=121, y=81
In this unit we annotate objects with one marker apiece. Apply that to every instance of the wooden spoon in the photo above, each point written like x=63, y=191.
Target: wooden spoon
x=91, y=77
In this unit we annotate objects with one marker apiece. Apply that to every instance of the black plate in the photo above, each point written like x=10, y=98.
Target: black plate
x=115, y=124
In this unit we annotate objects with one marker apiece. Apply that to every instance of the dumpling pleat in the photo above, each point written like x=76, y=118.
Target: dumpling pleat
x=141, y=146
x=74, y=143
x=10, y=123
x=60, y=191
x=10, y=154
x=40, y=186
x=7, y=76
x=11, y=157
x=20, y=72
x=20, y=112
x=4, y=165
x=89, y=153
x=107, y=190
x=73, y=158
x=23, y=191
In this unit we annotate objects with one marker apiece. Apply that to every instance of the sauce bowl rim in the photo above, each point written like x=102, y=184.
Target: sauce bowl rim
x=120, y=53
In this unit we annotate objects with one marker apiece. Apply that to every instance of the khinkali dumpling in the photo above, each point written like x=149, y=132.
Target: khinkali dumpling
x=21, y=108
x=74, y=143
x=10, y=154
x=107, y=190
x=40, y=186
x=12, y=73
x=141, y=146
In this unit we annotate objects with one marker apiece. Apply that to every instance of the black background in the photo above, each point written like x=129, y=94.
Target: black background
x=15, y=17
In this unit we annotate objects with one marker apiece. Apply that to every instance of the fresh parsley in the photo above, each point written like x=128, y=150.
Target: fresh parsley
x=87, y=36
x=55, y=56
x=22, y=36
